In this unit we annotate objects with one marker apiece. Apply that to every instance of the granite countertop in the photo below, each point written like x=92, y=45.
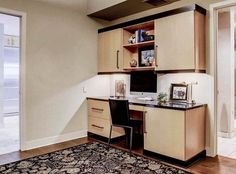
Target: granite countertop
x=153, y=103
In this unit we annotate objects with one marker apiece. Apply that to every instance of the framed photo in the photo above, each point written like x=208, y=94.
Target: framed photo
x=120, y=88
x=178, y=92
x=146, y=56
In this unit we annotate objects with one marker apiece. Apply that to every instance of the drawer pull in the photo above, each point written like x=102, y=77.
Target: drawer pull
x=155, y=52
x=117, y=59
x=144, y=123
x=97, y=126
x=97, y=109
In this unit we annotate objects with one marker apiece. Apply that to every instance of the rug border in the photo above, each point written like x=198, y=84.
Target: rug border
x=115, y=147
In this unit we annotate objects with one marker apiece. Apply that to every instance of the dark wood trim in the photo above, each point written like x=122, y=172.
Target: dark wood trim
x=98, y=99
x=104, y=139
x=139, y=69
x=107, y=73
x=128, y=71
x=155, y=16
x=178, y=162
x=181, y=70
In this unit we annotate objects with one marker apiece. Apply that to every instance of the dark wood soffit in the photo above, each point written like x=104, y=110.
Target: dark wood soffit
x=155, y=16
x=127, y=8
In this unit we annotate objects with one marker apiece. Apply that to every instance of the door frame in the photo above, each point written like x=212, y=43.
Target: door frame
x=213, y=67
x=22, y=87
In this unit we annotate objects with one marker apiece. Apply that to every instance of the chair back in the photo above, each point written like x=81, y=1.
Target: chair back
x=119, y=112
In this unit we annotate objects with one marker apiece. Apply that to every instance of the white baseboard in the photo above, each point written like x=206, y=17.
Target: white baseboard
x=209, y=153
x=53, y=140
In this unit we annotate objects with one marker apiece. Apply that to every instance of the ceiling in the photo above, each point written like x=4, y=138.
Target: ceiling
x=73, y=4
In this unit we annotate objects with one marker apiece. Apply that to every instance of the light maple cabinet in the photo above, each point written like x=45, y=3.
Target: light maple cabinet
x=99, y=119
x=180, y=42
x=175, y=133
x=110, y=51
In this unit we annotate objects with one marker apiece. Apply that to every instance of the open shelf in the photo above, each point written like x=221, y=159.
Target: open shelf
x=138, y=45
x=144, y=68
x=131, y=51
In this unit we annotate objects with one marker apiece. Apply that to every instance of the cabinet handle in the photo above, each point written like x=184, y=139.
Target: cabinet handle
x=144, y=122
x=98, y=109
x=117, y=59
x=156, y=46
x=97, y=126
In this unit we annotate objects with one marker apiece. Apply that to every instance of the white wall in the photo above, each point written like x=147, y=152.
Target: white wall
x=201, y=91
x=70, y=110
x=61, y=53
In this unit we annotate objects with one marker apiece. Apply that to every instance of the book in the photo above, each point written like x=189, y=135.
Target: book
x=139, y=35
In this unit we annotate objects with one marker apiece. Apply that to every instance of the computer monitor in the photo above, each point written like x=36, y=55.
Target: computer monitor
x=143, y=82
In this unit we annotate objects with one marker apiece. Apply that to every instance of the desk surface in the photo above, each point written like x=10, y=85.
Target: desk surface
x=154, y=103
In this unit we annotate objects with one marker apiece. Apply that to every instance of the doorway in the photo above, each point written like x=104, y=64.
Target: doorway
x=226, y=81
x=9, y=83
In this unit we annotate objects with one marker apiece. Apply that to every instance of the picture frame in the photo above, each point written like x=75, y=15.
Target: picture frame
x=120, y=88
x=179, y=92
x=146, y=56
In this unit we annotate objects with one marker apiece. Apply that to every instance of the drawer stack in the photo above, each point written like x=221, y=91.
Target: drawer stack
x=99, y=119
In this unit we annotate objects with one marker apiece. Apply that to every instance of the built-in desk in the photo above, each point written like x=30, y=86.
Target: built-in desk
x=153, y=103
x=170, y=130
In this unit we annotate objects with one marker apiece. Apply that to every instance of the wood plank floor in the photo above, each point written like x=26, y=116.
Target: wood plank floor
x=217, y=165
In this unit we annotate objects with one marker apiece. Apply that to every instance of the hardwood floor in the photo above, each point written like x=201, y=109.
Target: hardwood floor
x=217, y=165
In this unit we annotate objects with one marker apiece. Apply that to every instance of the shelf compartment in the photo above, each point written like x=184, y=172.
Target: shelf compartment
x=140, y=44
x=145, y=68
x=147, y=26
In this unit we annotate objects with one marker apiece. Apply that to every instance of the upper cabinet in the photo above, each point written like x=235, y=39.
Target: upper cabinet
x=180, y=42
x=110, y=52
x=172, y=41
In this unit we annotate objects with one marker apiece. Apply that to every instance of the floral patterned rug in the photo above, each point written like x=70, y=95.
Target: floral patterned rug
x=90, y=158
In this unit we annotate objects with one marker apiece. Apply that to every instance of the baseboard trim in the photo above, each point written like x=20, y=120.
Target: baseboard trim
x=175, y=161
x=28, y=145
x=209, y=153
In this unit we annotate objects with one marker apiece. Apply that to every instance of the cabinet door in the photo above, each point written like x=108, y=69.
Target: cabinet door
x=102, y=127
x=110, y=54
x=175, y=42
x=165, y=132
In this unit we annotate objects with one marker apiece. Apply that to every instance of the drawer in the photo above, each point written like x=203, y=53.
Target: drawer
x=99, y=109
x=136, y=108
x=102, y=127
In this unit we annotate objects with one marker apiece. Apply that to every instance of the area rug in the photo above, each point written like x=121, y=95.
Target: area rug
x=90, y=158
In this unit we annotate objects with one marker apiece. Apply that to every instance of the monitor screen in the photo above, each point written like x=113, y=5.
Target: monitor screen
x=143, y=81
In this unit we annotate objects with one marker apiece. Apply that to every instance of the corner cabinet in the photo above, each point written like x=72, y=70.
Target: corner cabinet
x=180, y=42
x=175, y=133
x=110, y=51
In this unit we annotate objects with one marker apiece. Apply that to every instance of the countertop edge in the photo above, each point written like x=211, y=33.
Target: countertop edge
x=152, y=106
